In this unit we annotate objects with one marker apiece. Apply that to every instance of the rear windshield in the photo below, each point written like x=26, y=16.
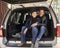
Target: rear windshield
x=22, y=1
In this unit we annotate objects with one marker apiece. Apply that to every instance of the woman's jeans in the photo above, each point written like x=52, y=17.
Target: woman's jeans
x=34, y=34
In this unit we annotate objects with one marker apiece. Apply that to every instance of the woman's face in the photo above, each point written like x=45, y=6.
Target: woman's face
x=34, y=14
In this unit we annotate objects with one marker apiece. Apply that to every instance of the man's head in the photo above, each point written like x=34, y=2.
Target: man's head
x=41, y=12
x=34, y=14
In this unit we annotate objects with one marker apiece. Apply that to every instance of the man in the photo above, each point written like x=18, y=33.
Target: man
x=30, y=24
x=42, y=24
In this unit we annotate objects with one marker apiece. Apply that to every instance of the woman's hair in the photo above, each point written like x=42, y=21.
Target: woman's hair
x=33, y=10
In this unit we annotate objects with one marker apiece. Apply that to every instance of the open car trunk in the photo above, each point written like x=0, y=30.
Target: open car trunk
x=18, y=18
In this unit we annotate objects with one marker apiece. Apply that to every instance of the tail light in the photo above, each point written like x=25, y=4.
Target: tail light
x=58, y=30
x=1, y=33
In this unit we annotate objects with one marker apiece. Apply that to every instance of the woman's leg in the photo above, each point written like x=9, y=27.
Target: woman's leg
x=23, y=35
x=34, y=34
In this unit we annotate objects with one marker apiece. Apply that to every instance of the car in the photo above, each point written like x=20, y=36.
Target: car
x=15, y=17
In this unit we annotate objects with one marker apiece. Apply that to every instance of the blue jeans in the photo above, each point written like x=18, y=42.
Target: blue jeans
x=34, y=34
x=42, y=31
x=23, y=35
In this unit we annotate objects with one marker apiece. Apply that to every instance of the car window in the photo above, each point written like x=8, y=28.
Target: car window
x=25, y=16
x=12, y=16
x=48, y=15
x=15, y=17
x=19, y=16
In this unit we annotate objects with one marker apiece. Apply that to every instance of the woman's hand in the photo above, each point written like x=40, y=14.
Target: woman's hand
x=25, y=31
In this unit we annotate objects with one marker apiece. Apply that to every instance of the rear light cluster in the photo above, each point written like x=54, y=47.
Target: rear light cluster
x=58, y=31
x=1, y=33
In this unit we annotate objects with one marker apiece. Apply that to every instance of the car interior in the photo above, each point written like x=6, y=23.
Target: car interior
x=18, y=19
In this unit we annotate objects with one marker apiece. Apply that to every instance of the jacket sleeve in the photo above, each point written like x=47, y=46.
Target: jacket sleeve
x=27, y=24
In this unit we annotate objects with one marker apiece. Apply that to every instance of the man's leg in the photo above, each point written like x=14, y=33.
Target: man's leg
x=34, y=35
x=42, y=31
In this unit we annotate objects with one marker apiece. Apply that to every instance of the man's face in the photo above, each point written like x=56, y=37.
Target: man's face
x=41, y=13
x=34, y=14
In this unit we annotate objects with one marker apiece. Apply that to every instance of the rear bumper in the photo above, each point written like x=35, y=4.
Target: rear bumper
x=28, y=44
x=15, y=43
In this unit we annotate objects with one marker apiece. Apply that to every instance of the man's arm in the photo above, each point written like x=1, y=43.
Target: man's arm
x=45, y=23
x=28, y=23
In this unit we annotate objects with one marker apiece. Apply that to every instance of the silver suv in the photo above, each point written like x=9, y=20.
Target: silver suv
x=16, y=15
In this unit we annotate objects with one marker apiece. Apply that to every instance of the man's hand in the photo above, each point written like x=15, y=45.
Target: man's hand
x=34, y=24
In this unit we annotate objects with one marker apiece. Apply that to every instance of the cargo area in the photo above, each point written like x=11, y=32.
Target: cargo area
x=19, y=17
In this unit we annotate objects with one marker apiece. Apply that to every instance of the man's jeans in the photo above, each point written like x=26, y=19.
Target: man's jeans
x=34, y=34
x=42, y=31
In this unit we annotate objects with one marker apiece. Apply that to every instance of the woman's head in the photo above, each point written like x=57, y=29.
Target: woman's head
x=34, y=14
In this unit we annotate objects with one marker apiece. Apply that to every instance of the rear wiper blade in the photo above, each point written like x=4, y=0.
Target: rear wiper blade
x=22, y=6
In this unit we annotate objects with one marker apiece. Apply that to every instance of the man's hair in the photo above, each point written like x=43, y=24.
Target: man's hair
x=41, y=9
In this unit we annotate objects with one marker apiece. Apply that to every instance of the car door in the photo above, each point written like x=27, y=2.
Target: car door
x=26, y=3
